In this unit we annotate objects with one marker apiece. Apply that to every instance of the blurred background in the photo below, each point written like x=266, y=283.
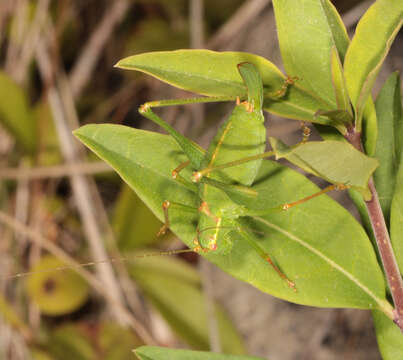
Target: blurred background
x=61, y=206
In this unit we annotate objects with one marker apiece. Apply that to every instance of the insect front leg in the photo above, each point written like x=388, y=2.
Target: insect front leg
x=198, y=175
x=192, y=150
x=166, y=205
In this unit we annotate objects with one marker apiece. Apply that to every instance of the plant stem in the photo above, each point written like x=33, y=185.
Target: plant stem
x=382, y=240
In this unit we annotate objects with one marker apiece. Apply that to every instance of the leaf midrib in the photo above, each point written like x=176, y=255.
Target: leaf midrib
x=149, y=70
x=118, y=170
x=380, y=302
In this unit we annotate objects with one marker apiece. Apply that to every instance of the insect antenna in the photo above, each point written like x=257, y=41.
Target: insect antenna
x=109, y=260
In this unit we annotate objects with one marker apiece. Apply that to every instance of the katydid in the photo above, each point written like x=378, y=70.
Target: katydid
x=221, y=182
x=242, y=136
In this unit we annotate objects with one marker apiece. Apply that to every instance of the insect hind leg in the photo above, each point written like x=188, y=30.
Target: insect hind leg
x=266, y=257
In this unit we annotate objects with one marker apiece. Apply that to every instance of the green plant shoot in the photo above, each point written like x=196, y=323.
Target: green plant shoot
x=235, y=224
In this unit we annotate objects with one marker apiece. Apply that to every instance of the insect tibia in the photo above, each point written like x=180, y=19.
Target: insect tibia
x=164, y=228
x=266, y=257
x=193, y=151
x=290, y=283
x=321, y=192
x=198, y=175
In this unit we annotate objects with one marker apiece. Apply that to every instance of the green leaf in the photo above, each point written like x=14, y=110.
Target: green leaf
x=56, y=292
x=396, y=217
x=369, y=128
x=8, y=314
x=306, y=238
x=130, y=211
x=203, y=71
x=162, y=353
x=361, y=207
x=373, y=37
x=307, y=31
x=389, y=145
x=173, y=287
x=335, y=161
x=115, y=342
x=339, y=118
x=145, y=161
x=311, y=243
x=339, y=83
x=389, y=336
x=70, y=342
x=15, y=114
x=369, y=133
x=329, y=133
x=215, y=74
